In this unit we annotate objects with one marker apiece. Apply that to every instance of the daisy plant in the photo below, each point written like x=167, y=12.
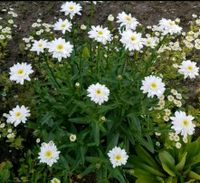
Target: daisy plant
x=107, y=102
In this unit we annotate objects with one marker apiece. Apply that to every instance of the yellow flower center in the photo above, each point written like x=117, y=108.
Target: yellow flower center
x=71, y=8
x=40, y=45
x=148, y=42
x=128, y=18
x=133, y=38
x=60, y=47
x=171, y=23
x=154, y=86
x=18, y=114
x=118, y=157
x=98, y=92
x=48, y=154
x=63, y=25
x=72, y=138
x=55, y=181
x=185, y=123
x=190, y=68
x=20, y=72
x=100, y=33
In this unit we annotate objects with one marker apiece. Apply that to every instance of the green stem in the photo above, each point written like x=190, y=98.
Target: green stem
x=98, y=63
x=51, y=72
x=80, y=68
x=73, y=38
x=125, y=63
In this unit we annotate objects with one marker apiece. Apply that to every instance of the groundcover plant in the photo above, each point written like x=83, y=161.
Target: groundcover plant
x=100, y=103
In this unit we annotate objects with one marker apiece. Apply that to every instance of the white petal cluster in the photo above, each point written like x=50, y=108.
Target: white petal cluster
x=132, y=40
x=151, y=41
x=100, y=34
x=71, y=9
x=20, y=72
x=118, y=157
x=60, y=49
x=168, y=26
x=188, y=69
x=98, y=93
x=153, y=86
x=39, y=46
x=48, y=153
x=127, y=20
x=18, y=115
x=63, y=25
x=182, y=124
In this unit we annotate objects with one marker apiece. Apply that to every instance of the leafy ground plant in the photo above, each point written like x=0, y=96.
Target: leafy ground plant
x=102, y=101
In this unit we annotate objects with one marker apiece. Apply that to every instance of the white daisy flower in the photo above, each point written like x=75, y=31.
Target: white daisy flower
x=118, y=156
x=20, y=72
x=188, y=69
x=71, y=9
x=18, y=115
x=72, y=137
x=98, y=93
x=132, y=40
x=178, y=145
x=153, y=85
x=48, y=153
x=100, y=34
x=39, y=46
x=197, y=44
x=168, y=26
x=55, y=180
x=63, y=25
x=110, y=18
x=151, y=42
x=182, y=124
x=60, y=49
x=127, y=20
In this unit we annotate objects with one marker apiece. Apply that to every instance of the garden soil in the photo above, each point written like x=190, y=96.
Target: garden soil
x=147, y=12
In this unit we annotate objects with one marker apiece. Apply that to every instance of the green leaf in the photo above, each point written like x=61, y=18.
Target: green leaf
x=113, y=141
x=96, y=132
x=151, y=170
x=168, y=163
x=146, y=143
x=82, y=153
x=135, y=122
x=5, y=171
x=85, y=53
x=146, y=157
x=118, y=175
x=89, y=169
x=181, y=164
x=47, y=119
x=169, y=180
x=191, y=181
x=78, y=120
x=194, y=175
x=144, y=176
x=193, y=150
